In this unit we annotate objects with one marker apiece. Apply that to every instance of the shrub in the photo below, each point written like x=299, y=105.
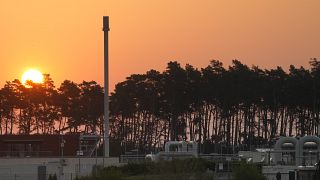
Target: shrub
x=109, y=173
x=134, y=169
x=175, y=169
x=245, y=171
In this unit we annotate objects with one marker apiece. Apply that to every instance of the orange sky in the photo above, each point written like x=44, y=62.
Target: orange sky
x=65, y=37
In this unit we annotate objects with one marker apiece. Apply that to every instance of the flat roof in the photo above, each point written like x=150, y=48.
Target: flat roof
x=21, y=140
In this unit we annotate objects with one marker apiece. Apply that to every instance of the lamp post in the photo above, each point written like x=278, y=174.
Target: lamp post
x=62, y=145
x=61, y=160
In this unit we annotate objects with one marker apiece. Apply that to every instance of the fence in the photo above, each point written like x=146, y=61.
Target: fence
x=211, y=157
x=33, y=176
x=23, y=154
x=132, y=158
x=42, y=168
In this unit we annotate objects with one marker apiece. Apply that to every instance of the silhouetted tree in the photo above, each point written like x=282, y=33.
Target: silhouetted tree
x=238, y=107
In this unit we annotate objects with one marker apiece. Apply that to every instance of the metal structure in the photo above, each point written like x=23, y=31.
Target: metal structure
x=299, y=152
x=294, y=159
x=176, y=150
x=106, y=29
x=88, y=145
x=286, y=151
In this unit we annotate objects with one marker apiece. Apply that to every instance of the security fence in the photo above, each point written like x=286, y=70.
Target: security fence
x=33, y=176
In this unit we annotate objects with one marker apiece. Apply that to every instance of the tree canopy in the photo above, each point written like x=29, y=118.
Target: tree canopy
x=223, y=108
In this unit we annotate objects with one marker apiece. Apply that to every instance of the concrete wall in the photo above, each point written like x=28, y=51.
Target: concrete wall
x=270, y=172
x=65, y=169
x=299, y=172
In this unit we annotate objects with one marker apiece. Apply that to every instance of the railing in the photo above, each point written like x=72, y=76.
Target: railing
x=138, y=158
x=227, y=157
x=33, y=176
x=23, y=154
x=132, y=158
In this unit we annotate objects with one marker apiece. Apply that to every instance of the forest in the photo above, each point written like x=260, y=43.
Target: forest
x=231, y=108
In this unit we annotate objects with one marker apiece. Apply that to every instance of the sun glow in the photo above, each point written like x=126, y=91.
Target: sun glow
x=33, y=75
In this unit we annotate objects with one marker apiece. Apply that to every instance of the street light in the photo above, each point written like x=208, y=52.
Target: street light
x=61, y=159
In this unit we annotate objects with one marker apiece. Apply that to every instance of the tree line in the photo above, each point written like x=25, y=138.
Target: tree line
x=235, y=107
x=40, y=108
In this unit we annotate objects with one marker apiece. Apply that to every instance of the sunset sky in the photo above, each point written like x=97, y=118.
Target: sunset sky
x=65, y=39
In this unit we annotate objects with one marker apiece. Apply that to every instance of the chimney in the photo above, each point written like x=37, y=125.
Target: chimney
x=106, y=86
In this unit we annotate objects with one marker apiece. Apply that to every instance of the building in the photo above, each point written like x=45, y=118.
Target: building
x=48, y=145
x=294, y=158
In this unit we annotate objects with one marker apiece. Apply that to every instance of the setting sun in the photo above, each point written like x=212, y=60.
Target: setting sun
x=33, y=75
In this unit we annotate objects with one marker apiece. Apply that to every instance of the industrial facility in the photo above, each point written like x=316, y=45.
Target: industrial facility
x=67, y=156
